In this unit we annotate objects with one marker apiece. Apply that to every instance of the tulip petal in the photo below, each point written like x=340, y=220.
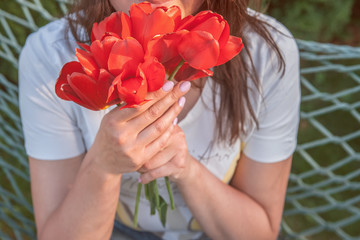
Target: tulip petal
x=132, y=90
x=88, y=62
x=84, y=46
x=190, y=22
x=199, y=49
x=154, y=73
x=90, y=91
x=144, y=6
x=164, y=47
x=62, y=80
x=98, y=30
x=113, y=92
x=187, y=73
x=118, y=23
x=104, y=83
x=97, y=49
x=145, y=26
x=126, y=55
x=175, y=13
x=230, y=50
x=183, y=22
x=108, y=42
x=73, y=97
x=101, y=50
x=85, y=89
x=210, y=22
x=225, y=35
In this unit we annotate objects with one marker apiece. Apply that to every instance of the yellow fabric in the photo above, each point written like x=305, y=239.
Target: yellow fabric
x=124, y=217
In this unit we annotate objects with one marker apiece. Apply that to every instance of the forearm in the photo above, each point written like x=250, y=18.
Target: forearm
x=222, y=211
x=88, y=210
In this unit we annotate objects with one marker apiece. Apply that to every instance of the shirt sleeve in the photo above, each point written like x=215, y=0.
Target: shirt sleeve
x=49, y=123
x=278, y=112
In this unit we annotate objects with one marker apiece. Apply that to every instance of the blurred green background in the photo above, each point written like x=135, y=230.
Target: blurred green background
x=336, y=21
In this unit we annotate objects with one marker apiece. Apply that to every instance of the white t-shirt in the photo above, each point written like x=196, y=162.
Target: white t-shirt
x=55, y=129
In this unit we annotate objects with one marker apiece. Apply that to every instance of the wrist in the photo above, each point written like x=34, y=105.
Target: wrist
x=93, y=166
x=191, y=174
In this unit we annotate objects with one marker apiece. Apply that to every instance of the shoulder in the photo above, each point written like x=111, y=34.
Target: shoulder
x=265, y=59
x=50, y=33
x=40, y=62
x=280, y=34
x=51, y=46
x=43, y=56
x=277, y=104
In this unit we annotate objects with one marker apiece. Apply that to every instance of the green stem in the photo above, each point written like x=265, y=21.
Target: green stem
x=172, y=204
x=171, y=77
x=156, y=193
x=147, y=194
x=137, y=204
x=152, y=198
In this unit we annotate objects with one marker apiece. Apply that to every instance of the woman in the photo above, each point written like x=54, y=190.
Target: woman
x=227, y=149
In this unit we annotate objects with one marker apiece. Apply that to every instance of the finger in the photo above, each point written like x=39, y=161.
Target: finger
x=159, y=154
x=162, y=171
x=157, y=128
x=160, y=107
x=160, y=143
x=126, y=114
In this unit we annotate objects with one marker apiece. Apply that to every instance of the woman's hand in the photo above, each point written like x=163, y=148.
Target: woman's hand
x=173, y=161
x=129, y=138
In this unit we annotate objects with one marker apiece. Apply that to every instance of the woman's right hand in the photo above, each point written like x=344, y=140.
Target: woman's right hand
x=128, y=138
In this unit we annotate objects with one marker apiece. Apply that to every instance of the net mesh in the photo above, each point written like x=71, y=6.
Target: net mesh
x=323, y=198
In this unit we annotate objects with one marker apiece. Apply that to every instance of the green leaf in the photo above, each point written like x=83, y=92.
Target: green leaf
x=156, y=193
x=152, y=199
x=162, y=211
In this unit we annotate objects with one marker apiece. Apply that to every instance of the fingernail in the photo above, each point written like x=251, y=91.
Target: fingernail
x=185, y=86
x=182, y=101
x=175, y=121
x=168, y=86
x=139, y=180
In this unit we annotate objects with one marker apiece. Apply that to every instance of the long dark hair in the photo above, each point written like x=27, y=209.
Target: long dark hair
x=232, y=79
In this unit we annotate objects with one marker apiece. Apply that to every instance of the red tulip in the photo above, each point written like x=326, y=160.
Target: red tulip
x=118, y=23
x=75, y=85
x=111, y=71
x=202, y=41
x=165, y=49
x=133, y=89
x=128, y=56
x=125, y=55
x=135, y=75
x=147, y=22
x=208, y=29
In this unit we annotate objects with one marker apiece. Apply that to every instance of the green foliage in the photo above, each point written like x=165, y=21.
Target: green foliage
x=318, y=20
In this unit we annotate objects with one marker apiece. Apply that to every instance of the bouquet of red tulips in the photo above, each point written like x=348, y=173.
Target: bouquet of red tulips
x=130, y=55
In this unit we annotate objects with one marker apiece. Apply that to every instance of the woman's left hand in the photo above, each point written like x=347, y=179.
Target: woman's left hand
x=173, y=161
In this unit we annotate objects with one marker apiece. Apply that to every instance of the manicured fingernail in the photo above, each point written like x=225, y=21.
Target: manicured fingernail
x=175, y=121
x=185, y=86
x=182, y=101
x=139, y=180
x=168, y=86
